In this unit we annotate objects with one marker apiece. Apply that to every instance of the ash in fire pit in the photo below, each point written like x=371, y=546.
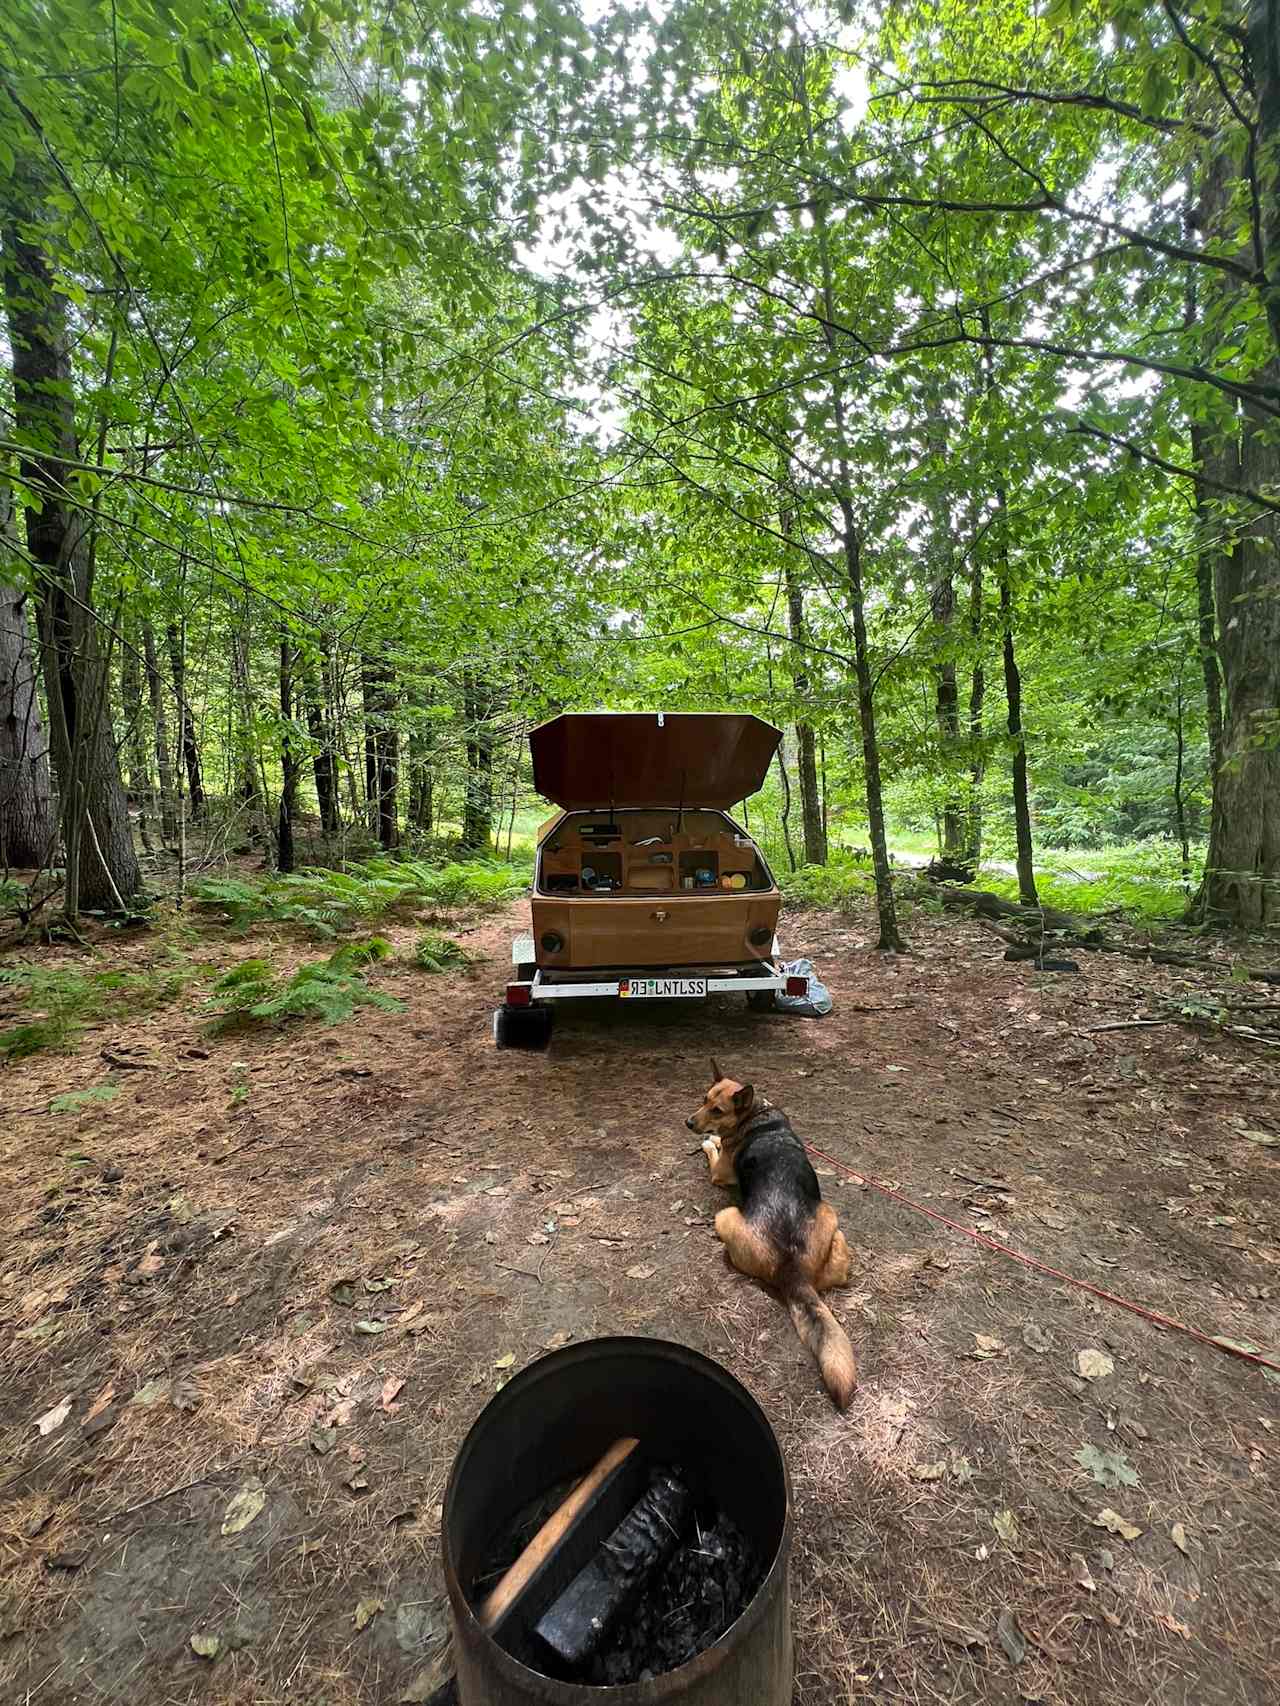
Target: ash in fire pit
x=705, y=1587
x=656, y=1587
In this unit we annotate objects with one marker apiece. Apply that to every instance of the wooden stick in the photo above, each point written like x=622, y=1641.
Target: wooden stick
x=549, y=1535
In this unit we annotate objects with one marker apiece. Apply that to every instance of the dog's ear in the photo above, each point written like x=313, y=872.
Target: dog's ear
x=744, y=1100
x=716, y=1074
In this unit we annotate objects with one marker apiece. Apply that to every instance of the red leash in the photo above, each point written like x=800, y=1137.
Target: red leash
x=1044, y=1268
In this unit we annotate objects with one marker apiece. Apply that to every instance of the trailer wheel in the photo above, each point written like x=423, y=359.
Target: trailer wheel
x=762, y=1000
x=522, y=1027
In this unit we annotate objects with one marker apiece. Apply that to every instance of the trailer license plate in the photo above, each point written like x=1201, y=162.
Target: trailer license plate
x=662, y=988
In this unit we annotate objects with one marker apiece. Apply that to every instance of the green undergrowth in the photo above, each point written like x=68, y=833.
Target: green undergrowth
x=435, y=952
x=842, y=884
x=61, y=1000
x=1144, y=883
x=329, y=990
x=329, y=903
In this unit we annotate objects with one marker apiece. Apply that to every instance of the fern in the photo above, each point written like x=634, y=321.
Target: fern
x=329, y=990
x=434, y=951
x=327, y=902
x=65, y=1000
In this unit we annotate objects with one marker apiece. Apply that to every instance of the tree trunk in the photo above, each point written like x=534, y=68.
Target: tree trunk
x=947, y=707
x=1264, y=63
x=421, y=782
x=26, y=815
x=1242, y=874
x=248, y=785
x=977, y=697
x=851, y=541
x=102, y=866
x=135, y=740
x=477, y=805
x=289, y=762
x=1017, y=739
x=190, y=750
x=324, y=760
x=160, y=722
x=815, y=830
x=786, y=803
x=382, y=750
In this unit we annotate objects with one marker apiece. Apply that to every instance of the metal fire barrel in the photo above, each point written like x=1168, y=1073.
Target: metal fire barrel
x=554, y=1420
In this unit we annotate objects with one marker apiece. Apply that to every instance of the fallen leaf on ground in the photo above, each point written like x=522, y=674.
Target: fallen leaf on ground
x=357, y=1483
x=1094, y=1364
x=152, y=1392
x=557, y=1341
x=1108, y=1468
x=1010, y=1637
x=1178, y=1535
x=184, y=1394
x=985, y=1346
x=1114, y=1523
x=366, y=1611
x=343, y=1292
x=641, y=1272
x=322, y=1440
x=537, y=1238
x=1081, y=1573
x=928, y=1471
x=1006, y=1526
x=100, y=1403
x=1034, y=1338
x=53, y=1419
x=205, y=1646
x=1172, y=1625
x=1106, y=1557
x=962, y=1470
x=246, y=1505
x=506, y=1361
x=390, y=1388
x=378, y=1284
x=341, y=1414
x=149, y=1265
x=371, y=1327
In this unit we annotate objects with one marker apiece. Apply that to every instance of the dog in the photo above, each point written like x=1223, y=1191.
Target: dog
x=784, y=1234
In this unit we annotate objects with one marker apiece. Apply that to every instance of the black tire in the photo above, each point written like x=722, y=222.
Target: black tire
x=522, y=1027
x=762, y=1000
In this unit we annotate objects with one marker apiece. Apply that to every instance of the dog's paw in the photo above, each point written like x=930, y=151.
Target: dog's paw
x=711, y=1148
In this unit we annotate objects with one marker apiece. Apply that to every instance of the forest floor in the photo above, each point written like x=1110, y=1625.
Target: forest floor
x=279, y=1275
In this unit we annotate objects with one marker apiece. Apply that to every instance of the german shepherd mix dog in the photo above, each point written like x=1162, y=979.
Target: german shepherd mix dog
x=784, y=1234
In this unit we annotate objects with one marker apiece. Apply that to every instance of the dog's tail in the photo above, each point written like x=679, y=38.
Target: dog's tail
x=823, y=1337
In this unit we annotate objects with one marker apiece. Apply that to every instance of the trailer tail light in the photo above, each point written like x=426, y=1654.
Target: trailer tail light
x=795, y=986
x=519, y=995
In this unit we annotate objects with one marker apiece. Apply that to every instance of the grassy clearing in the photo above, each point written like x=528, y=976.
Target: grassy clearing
x=1142, y=882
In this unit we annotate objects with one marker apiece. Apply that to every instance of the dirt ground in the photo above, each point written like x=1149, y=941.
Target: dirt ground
x=281, y=1273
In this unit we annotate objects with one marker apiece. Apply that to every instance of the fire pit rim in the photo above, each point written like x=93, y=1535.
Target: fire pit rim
x=669, y=1684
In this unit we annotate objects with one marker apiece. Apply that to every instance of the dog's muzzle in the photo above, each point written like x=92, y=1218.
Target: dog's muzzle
x=689, y=1123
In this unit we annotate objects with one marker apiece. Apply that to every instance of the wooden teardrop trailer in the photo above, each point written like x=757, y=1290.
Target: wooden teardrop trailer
x=644, y=887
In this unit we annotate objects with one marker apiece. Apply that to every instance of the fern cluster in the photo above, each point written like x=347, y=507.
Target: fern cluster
x=327, y=903
x=434, y=951
x=329, y=990
x=65, y=1000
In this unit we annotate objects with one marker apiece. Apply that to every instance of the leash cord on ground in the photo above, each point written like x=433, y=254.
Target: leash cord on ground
x=1044, y=1268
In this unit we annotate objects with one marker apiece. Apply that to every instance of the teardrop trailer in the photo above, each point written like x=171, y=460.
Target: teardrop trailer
x=644, y=887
